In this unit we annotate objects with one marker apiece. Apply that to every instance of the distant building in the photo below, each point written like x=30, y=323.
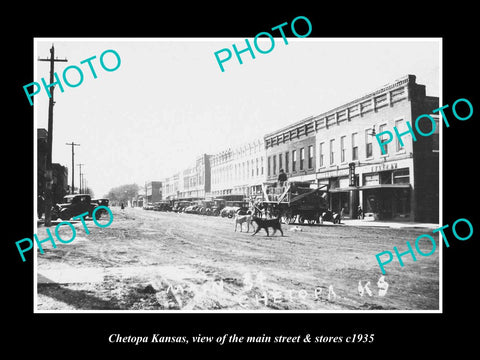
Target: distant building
x=239, y=170
x=60, y=186
x=196, y=180
x=171, y=187
x=153, y=191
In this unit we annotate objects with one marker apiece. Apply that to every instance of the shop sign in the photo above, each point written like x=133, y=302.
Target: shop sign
x=383, y=167
x=351, y=173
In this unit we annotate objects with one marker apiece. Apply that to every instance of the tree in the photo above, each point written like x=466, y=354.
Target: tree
x=122, y=193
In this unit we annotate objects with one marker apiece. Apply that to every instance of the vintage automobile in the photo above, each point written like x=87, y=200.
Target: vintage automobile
x=157, y=206
x=74, y=205
x=164, y=205
x=329, y=215
x=103, y=202
x=148, y=206
x=180, y=205
x=191, y=209
x=205, y=207
x=233, y=208
x=218, y=205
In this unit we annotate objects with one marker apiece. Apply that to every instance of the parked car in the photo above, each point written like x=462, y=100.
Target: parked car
x=180, y=206
x=233, y=208
x=73, y=205
x=103, y=202
x=156, y=207
x=329, y=215
x=192, y=209
x=218, y=205
x=148, y=206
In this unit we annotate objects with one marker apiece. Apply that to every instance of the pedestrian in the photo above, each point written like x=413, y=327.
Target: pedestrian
x=359, y=212
x=40, y=206
x=122, y=206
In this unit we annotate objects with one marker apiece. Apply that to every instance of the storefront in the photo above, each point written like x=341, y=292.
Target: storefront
x=387, y=194
x=344, y=199
x=382, y=191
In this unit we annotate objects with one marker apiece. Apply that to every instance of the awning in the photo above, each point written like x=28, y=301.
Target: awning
x=368, y=187
x=385, y=186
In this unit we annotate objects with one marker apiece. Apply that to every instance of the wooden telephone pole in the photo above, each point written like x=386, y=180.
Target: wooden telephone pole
x=48, y=172
x=81, y=188
x=73, y=165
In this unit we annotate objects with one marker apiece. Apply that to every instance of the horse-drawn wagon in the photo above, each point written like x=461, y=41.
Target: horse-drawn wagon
x=294, y=201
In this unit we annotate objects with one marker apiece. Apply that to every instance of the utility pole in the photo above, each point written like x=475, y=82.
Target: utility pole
x=48, y=172
x=73, y=165
x=80, y=189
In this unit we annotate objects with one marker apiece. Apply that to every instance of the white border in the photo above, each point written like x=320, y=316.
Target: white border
x=262, y=311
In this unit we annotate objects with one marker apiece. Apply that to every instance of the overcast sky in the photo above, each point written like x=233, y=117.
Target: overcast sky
x=168, y=102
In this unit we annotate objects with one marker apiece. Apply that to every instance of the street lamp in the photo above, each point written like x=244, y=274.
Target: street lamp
x=373, y=132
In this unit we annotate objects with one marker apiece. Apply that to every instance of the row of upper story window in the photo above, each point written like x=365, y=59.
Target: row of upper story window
x=238, y=171
x=339, y=150
x=238, y=153
x=291, y=161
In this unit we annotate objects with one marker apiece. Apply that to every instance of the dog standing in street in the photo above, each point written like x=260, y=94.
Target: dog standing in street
x=266, y=223
x=240, y=219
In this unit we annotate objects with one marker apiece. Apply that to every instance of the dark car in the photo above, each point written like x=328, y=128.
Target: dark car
x=180, y=206
x=233, y=208
x=74, y=205
x=218, y=205
x=103, y=202
x=329, y=215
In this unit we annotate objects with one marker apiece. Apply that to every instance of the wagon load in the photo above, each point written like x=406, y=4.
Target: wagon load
x=299, y=200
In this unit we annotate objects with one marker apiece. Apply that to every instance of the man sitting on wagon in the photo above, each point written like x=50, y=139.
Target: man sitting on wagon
x=282, y=178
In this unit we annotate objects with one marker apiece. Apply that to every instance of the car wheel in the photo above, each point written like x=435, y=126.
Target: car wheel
x=98, y=214
x=65, y=215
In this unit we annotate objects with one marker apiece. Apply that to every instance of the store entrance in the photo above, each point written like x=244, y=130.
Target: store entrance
x=387, y=203
x=346, y=200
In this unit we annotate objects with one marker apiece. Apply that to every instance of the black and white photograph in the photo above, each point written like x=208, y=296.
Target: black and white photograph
x=219, y=179
x=237, y=187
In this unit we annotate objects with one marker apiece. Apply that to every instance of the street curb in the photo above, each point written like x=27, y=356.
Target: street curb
x=372, y=224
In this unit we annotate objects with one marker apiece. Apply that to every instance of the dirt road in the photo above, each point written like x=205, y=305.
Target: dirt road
x=148, y=260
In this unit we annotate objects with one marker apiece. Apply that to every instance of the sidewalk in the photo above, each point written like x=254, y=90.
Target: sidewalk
x=390, y=224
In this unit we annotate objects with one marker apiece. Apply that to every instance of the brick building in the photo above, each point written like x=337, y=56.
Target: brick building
x=293, y=149
x=402, y=184
x=59, y=177
x=239, y=171
x=193, y=182
x=171, y=187
x=153, y=191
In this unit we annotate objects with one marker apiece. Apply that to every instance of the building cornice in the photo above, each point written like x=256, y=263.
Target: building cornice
x=342, y=112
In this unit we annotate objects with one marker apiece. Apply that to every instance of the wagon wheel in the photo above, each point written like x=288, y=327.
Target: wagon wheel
x=287, y=217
